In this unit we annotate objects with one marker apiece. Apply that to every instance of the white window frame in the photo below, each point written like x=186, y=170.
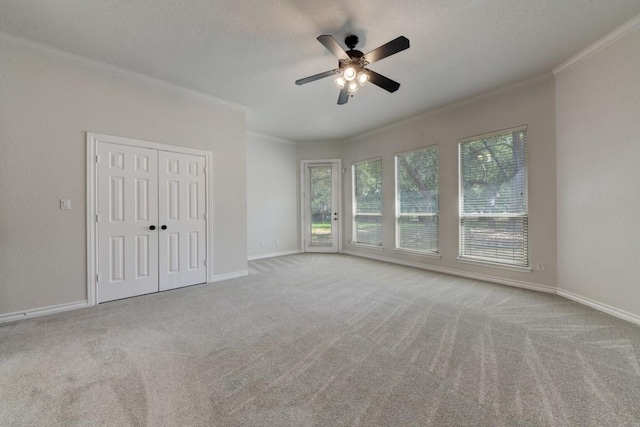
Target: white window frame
x=398, y=214
x=461, y=216
x=354, y=212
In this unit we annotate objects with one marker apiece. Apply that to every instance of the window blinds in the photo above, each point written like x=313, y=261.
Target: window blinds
x=367, y=202
x=417, y=200
x=493, y=198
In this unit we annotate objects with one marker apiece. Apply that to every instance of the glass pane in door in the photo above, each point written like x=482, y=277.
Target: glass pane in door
x=320, y=199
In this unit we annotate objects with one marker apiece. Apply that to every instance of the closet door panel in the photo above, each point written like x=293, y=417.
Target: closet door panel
x=127, y=206
x=182, y=210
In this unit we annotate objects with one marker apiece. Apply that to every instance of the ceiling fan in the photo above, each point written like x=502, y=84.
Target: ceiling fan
x=352, y=65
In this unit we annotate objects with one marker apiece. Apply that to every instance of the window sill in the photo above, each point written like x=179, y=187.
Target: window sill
x=365, y=246
x=494, y=265
x=417, y=253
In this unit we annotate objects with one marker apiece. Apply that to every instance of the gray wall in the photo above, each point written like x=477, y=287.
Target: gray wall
x=48, y=100
x=271, y=196
x=598, y=158
x=531, y=103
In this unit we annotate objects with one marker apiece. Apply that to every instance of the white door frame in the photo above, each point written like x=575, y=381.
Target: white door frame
x=92, y=192
x=303, y=166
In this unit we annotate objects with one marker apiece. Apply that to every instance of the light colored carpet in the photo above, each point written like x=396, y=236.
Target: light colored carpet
x=324, y=340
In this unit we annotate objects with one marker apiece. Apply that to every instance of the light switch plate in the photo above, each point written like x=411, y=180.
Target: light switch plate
x=65, y=204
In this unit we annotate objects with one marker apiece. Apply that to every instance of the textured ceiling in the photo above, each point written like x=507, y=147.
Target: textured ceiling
x=250, y=52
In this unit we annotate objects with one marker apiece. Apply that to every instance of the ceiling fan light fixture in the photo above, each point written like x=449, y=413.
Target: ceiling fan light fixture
x=363, y=78
x=352, y=73
x=349, y=74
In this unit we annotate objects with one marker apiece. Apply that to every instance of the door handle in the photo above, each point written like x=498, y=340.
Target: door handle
x=152, y=227
x=164, y=227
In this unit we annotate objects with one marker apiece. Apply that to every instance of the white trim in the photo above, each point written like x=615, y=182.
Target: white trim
x=599, y=45
x=123, y=71
x=477, y=276
x=482, y=263
x=91, y=200
x=418, y=118
x=303, y=165
x=91, y=182
x=273, y=254
x=511, y=130
x=228, y=276
x=616, y=312
x=43, y=311
x=366, y=246
x=270, y=138
x=416, y=252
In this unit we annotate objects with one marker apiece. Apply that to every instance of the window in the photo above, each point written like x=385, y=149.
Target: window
x=417, y=200
x=493, y=198
x=367, y=202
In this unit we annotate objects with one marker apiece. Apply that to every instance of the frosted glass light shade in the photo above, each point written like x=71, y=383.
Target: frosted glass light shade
x=363, y=78
x=349, y=74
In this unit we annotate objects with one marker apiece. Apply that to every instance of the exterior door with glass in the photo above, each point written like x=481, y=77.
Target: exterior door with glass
x=321, y=206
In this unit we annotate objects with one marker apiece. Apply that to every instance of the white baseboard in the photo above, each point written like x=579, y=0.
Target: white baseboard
x=273, y=254
x=477, y=276
x=616, y=312
x=621, y=314
x=37, y=312
x=227, y=276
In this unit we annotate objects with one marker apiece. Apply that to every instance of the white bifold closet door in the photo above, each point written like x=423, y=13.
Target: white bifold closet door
x=151, y=221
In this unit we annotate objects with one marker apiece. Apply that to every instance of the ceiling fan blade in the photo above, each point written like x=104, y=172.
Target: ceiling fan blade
x=383, y=82
x=394, y=46
x=332, y=46
x=317, y=76
x=344, y=95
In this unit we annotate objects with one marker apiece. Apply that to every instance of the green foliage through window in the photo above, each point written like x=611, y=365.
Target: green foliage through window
x=367, y=202
x=493, y=204
x=417, y=200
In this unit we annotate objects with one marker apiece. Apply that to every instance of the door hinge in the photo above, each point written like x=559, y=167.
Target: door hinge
x=97, y=218
x=204, y=262
x=98, y=277
x=97, y=159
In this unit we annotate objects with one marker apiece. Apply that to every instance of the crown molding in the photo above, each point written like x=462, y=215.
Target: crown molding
x=616, y=34
x=270, y=138
x=484, y=96
x=134, y=75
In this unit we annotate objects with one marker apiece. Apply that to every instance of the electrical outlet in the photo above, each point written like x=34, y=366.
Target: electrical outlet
x=540, y=266
x=65, y=204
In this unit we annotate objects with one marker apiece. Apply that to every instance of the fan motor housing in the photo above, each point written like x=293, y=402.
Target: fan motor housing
x=351, y=41
x=356, y=58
